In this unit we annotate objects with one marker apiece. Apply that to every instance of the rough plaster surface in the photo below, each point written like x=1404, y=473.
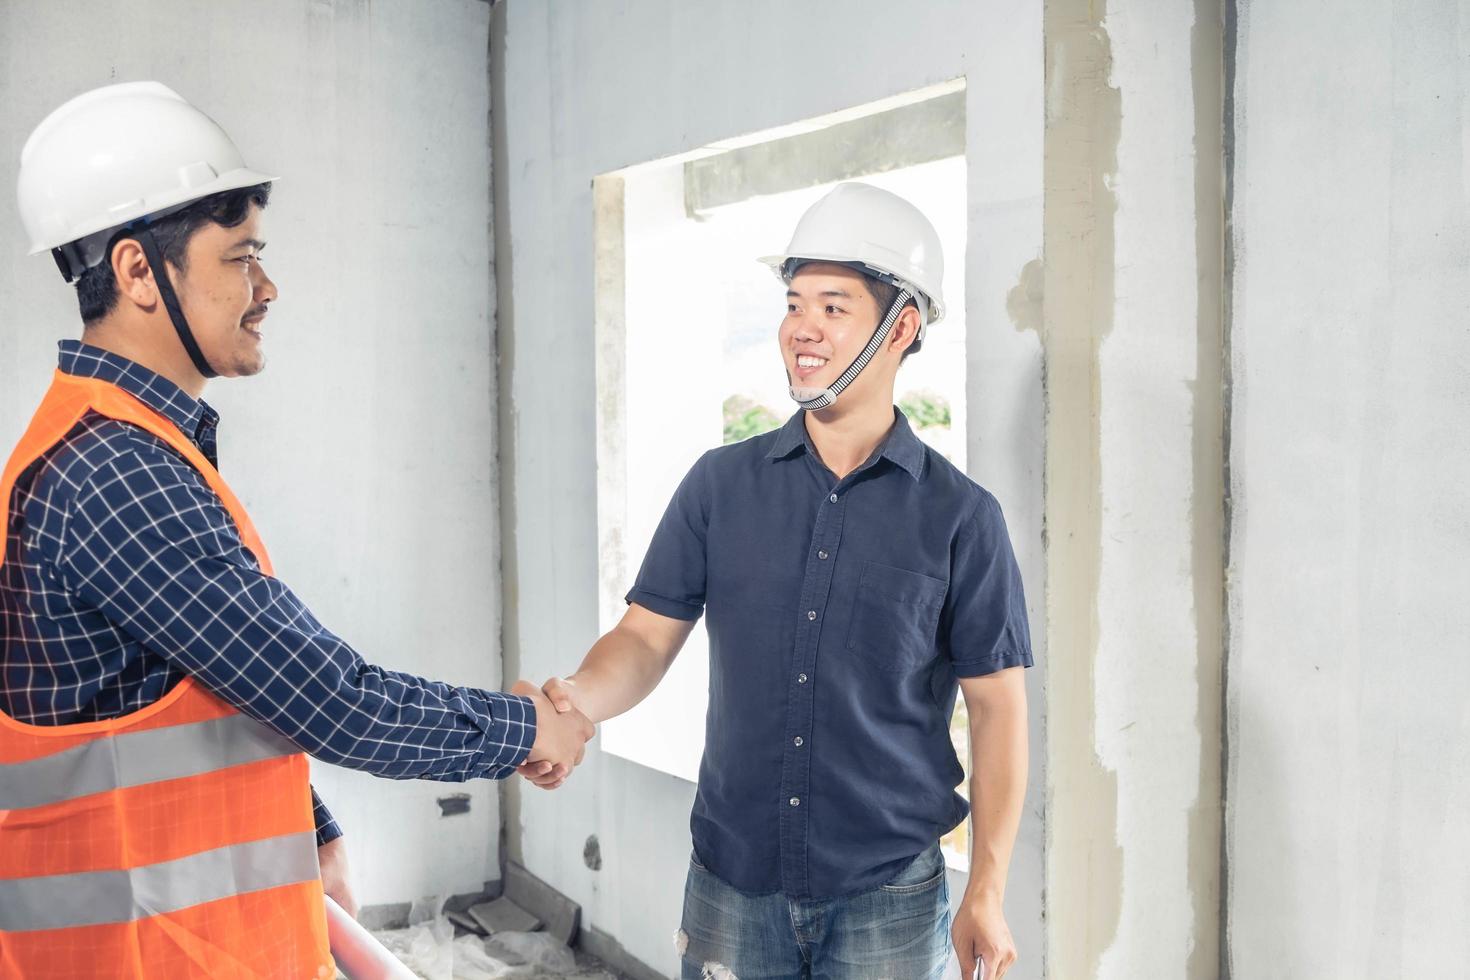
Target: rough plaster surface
x=1157, y=666
x=1084, y=857
x=1209, y=513
x=381, y=384
x=1135, y=524
x=598, y=88
x=1349, y=721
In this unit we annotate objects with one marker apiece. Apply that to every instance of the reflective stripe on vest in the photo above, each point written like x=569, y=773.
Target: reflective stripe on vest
x=137, y=758
x=98, y=897
x=176, y=841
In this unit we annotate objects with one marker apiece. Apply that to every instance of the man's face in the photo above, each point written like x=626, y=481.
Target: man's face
x=830, y=317
x=224, y=294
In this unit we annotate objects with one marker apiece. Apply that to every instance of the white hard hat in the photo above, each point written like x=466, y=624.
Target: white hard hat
x=861, y=224
x=116, y=154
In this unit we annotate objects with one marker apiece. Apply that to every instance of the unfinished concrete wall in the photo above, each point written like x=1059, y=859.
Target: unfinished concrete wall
x=1134, y=509
x=366, y=452
x=1349, y=725
x=592, y=88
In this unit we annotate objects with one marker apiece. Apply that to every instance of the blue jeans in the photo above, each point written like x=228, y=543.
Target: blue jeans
x=899, y=930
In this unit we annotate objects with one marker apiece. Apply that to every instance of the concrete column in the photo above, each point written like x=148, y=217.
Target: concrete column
x=1134, y=500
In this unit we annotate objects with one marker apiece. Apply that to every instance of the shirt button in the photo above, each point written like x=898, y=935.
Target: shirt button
x=795, y=801
x=801, y=678
x=797, y=740
x=833, y=498
x=811, y=614
x=822, y=555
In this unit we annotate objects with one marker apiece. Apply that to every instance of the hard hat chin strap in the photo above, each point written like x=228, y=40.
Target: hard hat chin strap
x=816, y=399
x=171, y=301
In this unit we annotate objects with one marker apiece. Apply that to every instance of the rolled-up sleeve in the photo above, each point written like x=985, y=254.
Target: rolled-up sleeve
x=984, y=618
x=671, y=581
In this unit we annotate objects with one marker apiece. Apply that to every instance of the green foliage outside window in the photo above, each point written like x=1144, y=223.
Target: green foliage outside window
x=745, y=418
x=925, y=410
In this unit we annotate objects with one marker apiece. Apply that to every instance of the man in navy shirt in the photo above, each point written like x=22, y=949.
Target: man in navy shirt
x=853, y=579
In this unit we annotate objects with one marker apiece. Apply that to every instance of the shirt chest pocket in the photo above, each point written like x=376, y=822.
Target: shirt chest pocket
x=895, y=615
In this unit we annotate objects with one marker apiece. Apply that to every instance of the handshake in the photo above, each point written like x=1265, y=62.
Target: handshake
x=562, y=732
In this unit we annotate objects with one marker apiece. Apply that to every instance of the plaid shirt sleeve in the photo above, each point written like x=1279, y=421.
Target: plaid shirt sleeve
x=327, y=829
x=151, y=546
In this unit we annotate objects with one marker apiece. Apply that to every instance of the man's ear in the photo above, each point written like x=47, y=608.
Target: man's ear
x=130, y=271
x=905, y=330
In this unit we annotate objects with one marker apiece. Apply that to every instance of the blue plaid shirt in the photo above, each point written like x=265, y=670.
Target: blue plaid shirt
x=124, y=572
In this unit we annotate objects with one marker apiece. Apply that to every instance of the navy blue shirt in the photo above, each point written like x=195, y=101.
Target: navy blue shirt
x=124, y=573
x=840, y=615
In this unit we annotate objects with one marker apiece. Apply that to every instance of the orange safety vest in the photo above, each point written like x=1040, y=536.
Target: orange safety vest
x=177, y=841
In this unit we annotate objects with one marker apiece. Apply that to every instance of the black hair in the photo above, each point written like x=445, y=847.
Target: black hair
x=885, y=293
x=97, y=287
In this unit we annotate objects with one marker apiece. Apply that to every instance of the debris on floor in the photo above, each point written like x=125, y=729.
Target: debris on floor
x=431, y=950
x=529, y=904
x=562, y=916
x=502, y=915
x=467, y=922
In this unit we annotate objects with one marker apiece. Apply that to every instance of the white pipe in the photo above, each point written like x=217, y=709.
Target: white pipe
x=358, y=953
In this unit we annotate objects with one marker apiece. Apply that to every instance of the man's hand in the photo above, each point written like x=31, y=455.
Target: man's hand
x=980, y=932
x=562, y=734
x=562, y=694
x=332, y=856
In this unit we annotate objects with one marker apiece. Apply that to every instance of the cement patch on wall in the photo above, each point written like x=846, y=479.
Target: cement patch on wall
x=1083, y=119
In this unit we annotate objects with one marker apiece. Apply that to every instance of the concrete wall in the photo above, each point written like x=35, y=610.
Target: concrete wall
x=592, y=88
x=1285, y=404
x=1134, y=512
x=1349, y=724
x=375, y=417
x=1108, y=391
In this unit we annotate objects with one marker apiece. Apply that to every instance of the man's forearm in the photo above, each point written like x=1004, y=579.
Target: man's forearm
x=999, y=757
x=619, y=671
x=200, y=601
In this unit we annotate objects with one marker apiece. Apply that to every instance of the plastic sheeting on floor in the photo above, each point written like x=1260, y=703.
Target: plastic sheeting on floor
x=429, y=948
